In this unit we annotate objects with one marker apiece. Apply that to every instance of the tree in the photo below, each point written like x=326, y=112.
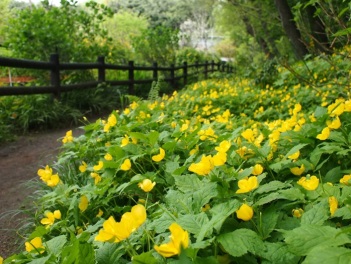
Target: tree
x=75, y=33
x=290, y=28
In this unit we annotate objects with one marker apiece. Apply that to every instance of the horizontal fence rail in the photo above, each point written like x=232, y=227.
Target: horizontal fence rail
x=55, y=67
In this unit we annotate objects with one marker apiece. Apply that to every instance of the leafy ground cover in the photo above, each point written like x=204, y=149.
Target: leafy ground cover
x=225, y=171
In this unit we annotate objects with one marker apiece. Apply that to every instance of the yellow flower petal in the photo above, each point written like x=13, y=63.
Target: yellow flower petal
x=247, y=184
x=245, y=212
x=83, y=204
x=146, y=185
x=159, y=157
x=126, y=165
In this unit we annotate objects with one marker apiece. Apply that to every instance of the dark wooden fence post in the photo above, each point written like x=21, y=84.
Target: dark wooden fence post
x=212, y=66
x=101, y=69
x=223, y=66
x=131, y=78
x=155, y=73
x=205, y=71
x=219, y=66
x=173, y=83
x=55, y=75
x=185, y=73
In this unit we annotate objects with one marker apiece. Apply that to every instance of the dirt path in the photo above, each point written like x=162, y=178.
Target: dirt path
x=19, y=163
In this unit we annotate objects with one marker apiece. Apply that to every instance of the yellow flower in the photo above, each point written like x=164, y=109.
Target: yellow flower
x=146, y=185
x=309, y=184
x=333, y=205
x=324, y=134
x=126, y=165
x=298, y=170
x=203, y=167
x=207, y=133
x=99, y=166
x=224, y=146
x=205, y=208
x=335, y=124
x=100, y=213
x=249, y=135
x=117, y=231
x=194, y=151
x=47, y=176
x=257, y=169
x=1, y=260
x=83, y=203
x=336, y=108
x=125, y=141
x=111, y=121
x=159, y=157
x=247, y=184
x=108, y=157
x=35, y=245
x=219, y=159
x=346, y=179
x=96, y=177
x=295, y=155
x=297, y=212
x=50, y=218
x=83, y=167
x=245, y=212
x=179, y=239
x=68, y=137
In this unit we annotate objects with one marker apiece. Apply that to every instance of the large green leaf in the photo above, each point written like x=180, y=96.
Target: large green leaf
x=109, y=253
x=193, y=223
x=303, y=239
x=328, y=255
x=317, y=215
x=55, y=245
x=278, y=253
x=219, y=214
x=144, y=258
x=242, y=241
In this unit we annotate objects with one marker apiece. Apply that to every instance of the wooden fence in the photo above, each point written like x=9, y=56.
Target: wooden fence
x=55, y=67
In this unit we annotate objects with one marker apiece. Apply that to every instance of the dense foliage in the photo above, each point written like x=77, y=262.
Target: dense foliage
x=234, y=172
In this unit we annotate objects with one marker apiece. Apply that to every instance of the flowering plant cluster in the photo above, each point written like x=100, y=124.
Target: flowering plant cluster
x=221, y=172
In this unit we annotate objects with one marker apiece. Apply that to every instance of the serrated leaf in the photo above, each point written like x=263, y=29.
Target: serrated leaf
x=144, y=258
x=271, y=186
x=241, y=241
x=55, y=245
x=188, y=182
x=295, y=149
x=328, y=255
x=303, y=239
x=317, y=215
x=219, y=213
x=193, y=223
x=109, y=253
x=278, y=253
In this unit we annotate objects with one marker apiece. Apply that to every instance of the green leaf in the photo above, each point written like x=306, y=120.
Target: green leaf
x=188, y=182
x=193, y=223
x=278, y=253
x=320, y=111
x=153, y=137
x=271, y=186
x=317, y=215
x=295, y=149
x=109, y=253
x=269, y=219
x=303, y=239
x=144, y=258
x=328, y=255
x=55, y=245
x=241, y=241
x=219, y=213
x=42, y=260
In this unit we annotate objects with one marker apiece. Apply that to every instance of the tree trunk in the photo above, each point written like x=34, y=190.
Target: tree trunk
x=290, y=28
x=318, y=32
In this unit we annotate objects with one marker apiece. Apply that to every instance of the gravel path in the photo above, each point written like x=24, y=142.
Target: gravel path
x=19, y=163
